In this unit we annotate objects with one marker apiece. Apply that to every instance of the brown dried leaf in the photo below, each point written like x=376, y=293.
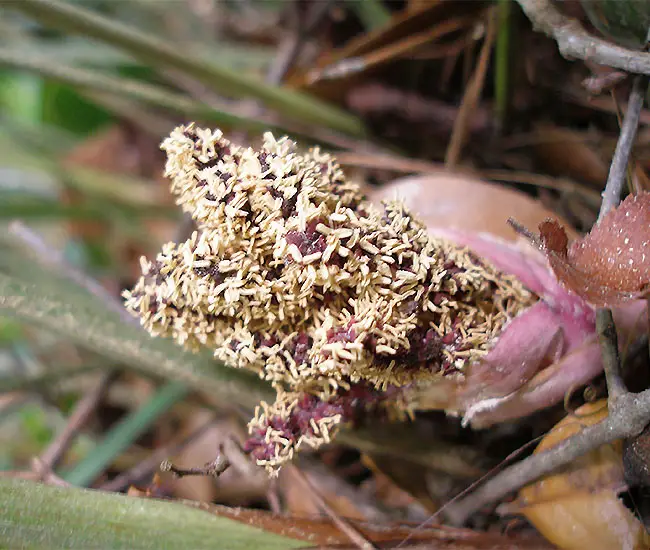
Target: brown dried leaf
x=320, y=532
x=437, y=21
x=343, y=498
x=399, y=485
x=566, y=152
x=611, y=265
x=578, y=507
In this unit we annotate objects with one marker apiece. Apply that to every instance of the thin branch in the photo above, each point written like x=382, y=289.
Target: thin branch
x=82, y=411
x=628, y=417
x=355, y=536
x=472, y=95
x=46, y=475
x=611, y=197
x=611, y=360
x=214, y=468
x=575, y=42
x=618, y=168
x=152, y=462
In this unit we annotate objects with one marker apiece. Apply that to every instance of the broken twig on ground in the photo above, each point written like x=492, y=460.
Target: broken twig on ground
x=214, y=468
x=152, y=462
x=472, y=95
x=611, y=360
x=627, y=418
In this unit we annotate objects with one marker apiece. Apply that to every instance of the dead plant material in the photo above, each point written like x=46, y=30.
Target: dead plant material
x=579, y=507
x=611, y=265
x=472, y=94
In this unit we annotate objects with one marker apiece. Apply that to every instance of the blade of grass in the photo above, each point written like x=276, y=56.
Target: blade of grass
x=25, y=207
x=120, y=196
x=112, y=91
x=40, y=516
x=373, y=13
x=147, y=119
x=125, y=433
x=81, y=320
x=88, y=79
x=43, y=137
x=30, y=207
x=42, y=379
x=78, y=51
x=151, y=49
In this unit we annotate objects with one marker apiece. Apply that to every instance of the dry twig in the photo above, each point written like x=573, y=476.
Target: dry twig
x=628, y=416
x=153, y=461
x=618, y=168
x=575, y=42
x=214, y=468
x=472, y=95
x=355, y=536
x=82, y=411
x=611, y=360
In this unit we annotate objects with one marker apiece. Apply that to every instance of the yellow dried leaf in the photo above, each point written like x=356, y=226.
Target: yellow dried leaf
x=578, y=507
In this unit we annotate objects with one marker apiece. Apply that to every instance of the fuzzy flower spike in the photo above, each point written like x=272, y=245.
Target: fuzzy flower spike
x=292, y=274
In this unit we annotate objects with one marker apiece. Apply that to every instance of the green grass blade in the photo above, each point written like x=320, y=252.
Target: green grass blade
x=39, y=209
x=125, y=433
x=29, y=207
x=45, y=379
x=79, y=52
x=373, y=13
x=160, y=54
x=40, y=516
x=88, y=79
x=78, y=318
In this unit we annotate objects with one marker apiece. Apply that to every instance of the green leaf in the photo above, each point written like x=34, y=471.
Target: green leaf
x=10, y=331
x=61, y=308
x=624, y=22
x=79, y=52
x=87, y=79
x=40, y=516
x=24, y=206
x=64, y=107
x=20, y=94
x=161, y=54
x=373, y=13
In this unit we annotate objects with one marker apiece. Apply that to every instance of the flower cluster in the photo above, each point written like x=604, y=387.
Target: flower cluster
x=292, y=274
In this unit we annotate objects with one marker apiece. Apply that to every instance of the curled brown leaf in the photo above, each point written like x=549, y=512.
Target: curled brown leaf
x=610, y=265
